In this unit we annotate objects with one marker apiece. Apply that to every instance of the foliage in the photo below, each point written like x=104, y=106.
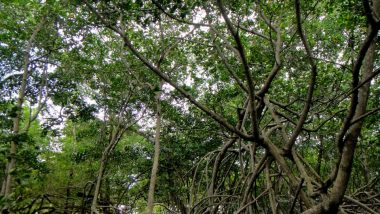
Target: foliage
x=260, y=111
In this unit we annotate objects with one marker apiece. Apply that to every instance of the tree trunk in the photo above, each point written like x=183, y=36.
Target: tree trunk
x=153, y=177
x=331, y=205
x=11, y=165
x=102, y=169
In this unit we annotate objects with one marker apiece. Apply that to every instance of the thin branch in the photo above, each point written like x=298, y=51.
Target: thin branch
x=41, y=101
x=365, y=115
x=360, y=204
x=230, y=69
x=280, y=159
x=277, y=65
x=251, y=85
x=285, y=106
x=266, y=20
x=369, y=78
x=176, y=18
x=296, y=196
x=223, y=151
x=167, y=79
x=253, y=201
x=312, y=82
x=258, y=169
x=355, y=82
x=253, y=32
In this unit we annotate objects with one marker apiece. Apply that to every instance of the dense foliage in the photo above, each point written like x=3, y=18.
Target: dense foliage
x=189, y=106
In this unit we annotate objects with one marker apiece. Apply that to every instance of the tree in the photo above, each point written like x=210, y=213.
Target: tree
x=245, y=64
x=24, y=72
x=195, y=106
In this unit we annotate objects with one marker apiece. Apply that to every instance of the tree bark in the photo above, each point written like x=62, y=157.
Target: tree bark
x=11, y=165
x=331, y=205
x=103, y=162
x=153, y=177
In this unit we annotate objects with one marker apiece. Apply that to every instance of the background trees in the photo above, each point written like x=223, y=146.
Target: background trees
x=263, y=107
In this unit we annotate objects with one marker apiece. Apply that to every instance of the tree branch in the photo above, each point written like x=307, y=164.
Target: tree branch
x=360, y=204
x=313, y=78
x=166, y=78
x=251, y=86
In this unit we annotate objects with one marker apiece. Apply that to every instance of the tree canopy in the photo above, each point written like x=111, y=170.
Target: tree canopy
x=189, y=106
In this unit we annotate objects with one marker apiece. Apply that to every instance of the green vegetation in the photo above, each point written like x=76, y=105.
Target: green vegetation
x=189, y=106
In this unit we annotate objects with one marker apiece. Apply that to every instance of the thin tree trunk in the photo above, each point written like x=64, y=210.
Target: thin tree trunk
x=153, y=177
x=99, y=182
x=102, y=169
x=11, y=165
x=117, y=132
